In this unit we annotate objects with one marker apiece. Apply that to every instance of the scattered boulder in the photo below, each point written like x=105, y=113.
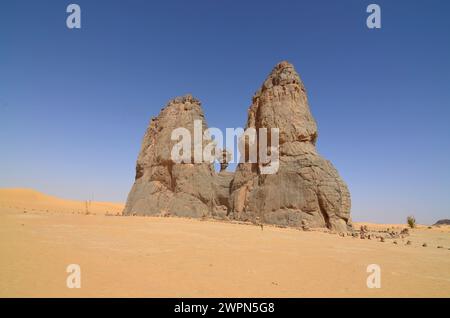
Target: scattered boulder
x=405, y=231
x=394, y=235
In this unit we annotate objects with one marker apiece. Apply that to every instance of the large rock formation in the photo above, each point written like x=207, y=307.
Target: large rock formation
x=306, y=188
x=305, y=191
x=163, y=186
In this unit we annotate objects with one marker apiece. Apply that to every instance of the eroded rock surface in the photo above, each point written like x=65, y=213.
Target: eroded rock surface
x=306, y=188
x=163, y=187
x=306, y=191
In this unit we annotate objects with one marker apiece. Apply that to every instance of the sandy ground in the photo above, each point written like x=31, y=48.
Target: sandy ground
x=173, y=257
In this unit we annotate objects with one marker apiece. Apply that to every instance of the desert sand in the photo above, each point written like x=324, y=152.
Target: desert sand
x=124, y=256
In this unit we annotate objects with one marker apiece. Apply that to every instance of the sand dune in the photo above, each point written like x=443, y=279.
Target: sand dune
x=32, y=200
x=175, y=257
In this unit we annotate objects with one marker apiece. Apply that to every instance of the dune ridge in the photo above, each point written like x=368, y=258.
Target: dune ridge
x=33, y=200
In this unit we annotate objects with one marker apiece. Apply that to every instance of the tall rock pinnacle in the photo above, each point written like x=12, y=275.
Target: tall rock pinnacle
x=306, y=188
x=163, y=186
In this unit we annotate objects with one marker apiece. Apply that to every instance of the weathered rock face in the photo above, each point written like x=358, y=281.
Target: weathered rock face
x=306, y=188
x=306, y=191
x=163, y=186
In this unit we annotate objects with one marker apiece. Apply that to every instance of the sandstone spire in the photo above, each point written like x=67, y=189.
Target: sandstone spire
x=306, y=188
x=163, y=186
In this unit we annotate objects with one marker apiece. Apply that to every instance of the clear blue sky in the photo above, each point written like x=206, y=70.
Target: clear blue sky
x=74, y=104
